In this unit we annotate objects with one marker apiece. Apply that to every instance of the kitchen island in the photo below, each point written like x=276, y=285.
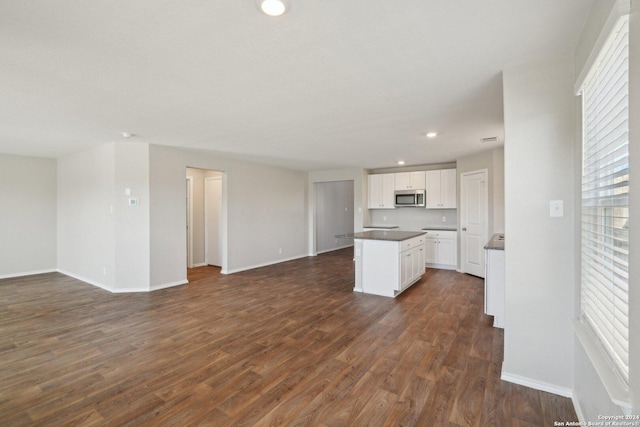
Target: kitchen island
x=387, y=262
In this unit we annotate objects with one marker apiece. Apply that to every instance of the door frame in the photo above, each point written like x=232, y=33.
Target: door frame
x=463, y=242
x=189, y=221
x=222, y=220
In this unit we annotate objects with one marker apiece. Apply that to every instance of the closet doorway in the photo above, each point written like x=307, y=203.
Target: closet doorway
x=205, y=223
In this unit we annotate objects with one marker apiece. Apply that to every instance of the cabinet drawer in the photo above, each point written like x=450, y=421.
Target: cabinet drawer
x=411, y=243
x=441, y=234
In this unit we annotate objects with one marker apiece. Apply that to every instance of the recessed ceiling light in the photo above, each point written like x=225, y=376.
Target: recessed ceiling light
x=432, y=134
x=127, y=135
x=273, y=7
x=401, y=162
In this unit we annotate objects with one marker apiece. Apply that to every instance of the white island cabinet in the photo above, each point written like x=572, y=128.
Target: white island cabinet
x=494, y=280
x=388, y=262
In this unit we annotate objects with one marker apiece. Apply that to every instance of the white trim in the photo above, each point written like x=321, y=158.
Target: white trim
x=83, y=279
x=619, y=9
x=264, y=264
x=168, y=285
x=130, y=290
x=206, y=216
x=27, y=273
x=612, y=383
x=535, y=384
x=190, y=222
x=442, y=267
x=200, y=264
x=335, y=249
x=578, y=409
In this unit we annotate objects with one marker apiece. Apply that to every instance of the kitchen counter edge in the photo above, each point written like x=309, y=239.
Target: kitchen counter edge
x=391, y=235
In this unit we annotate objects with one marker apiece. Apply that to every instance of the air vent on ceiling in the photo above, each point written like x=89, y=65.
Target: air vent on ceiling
x=489, y=139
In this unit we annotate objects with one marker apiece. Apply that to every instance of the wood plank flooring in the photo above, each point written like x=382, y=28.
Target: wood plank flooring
x=289, y=344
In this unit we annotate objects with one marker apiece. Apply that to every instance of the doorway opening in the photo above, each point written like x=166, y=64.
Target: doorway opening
x=334, y=204
x=206, y=223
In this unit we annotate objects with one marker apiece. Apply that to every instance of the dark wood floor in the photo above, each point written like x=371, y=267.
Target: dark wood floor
x=289, y=344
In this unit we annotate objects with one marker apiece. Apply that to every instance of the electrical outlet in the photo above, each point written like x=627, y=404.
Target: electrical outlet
x=444, y=219
x=280, y=251
x=104, y=271
x=384, y=218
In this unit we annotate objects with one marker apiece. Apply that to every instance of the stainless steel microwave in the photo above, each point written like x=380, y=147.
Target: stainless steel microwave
x=410, y=198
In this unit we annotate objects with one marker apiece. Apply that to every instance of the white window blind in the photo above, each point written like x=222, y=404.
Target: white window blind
x=605, y=199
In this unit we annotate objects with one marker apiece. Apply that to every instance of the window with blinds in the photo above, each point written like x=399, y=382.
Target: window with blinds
x=605, y=199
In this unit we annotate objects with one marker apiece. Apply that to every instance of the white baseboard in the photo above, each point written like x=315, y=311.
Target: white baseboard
x=201, y=264
x=83, y=279
x=168, y=285
x=578, y=409
x=264, y=264
x=27, y=273
x=441, y=266
x=535, y=384
x=130, y=290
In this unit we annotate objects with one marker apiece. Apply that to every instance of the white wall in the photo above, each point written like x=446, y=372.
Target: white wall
x=334, y=214
x=265, y=211
x=86, y=241
x=498, y=190
x=28, y=196
x=131, y=223
x=101, y=239
x=539, y=167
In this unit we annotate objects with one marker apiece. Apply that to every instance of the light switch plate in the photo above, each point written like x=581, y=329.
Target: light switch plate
x=556, y=208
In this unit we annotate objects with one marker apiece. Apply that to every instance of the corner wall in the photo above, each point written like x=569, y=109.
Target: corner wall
x=539, y=167
x=86, y=240
x=28, y=205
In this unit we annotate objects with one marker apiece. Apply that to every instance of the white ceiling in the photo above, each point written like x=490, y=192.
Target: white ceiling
x=332, y=83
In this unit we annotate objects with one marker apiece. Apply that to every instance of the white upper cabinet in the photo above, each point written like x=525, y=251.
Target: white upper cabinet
x=410, y=180
x=441, y=189
x=381, y=191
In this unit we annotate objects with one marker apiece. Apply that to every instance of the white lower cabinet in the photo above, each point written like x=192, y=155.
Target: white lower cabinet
x=494, y=286
x=441, y=249
x=412, y=263
x=388, y=267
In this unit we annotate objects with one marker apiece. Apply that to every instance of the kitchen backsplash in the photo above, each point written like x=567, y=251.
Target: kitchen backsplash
x=414, y=218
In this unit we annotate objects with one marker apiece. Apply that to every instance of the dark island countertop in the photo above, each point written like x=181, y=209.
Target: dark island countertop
x=496, y=242
x=442, y=228
x=383, y=227
x=391, y=235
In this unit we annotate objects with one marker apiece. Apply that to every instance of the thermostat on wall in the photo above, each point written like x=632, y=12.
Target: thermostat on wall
x=134, y=201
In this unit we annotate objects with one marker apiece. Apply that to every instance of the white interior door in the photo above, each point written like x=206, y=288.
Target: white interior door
x=473, y=221
x=213, y=221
